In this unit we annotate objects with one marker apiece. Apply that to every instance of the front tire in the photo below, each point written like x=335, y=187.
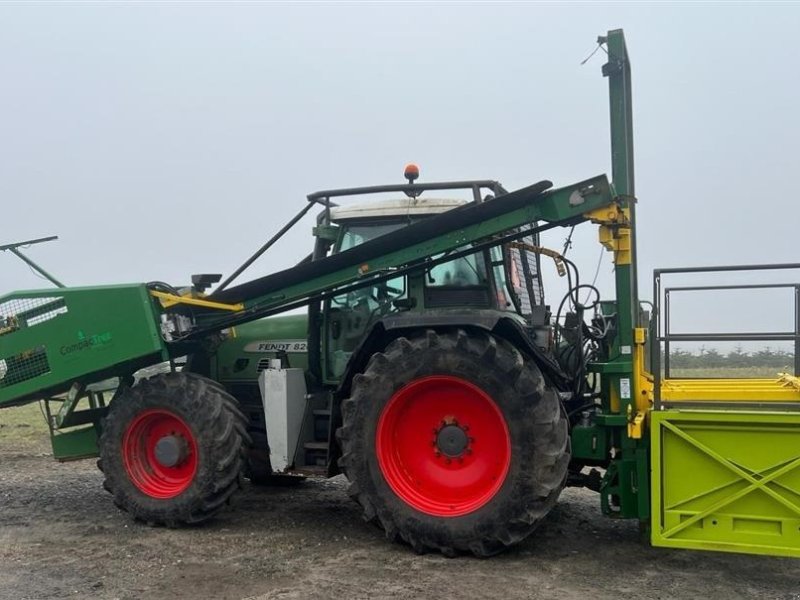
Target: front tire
x=451, y=442
x=173, y=449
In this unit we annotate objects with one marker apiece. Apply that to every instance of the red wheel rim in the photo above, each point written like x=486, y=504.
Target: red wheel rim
x=443, y=446
x=144, y=469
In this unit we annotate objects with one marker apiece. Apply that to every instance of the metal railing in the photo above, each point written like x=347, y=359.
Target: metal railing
x=661, y=312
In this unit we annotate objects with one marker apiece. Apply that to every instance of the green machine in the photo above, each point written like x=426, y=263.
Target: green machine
x=428, y=369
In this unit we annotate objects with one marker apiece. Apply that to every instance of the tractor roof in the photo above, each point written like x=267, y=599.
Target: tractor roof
x=395, y=208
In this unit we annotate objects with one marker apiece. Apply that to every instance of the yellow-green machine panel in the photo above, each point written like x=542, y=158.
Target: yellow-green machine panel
x=726, y=481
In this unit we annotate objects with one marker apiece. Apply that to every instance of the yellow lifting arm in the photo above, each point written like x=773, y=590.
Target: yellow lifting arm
x=168, y=300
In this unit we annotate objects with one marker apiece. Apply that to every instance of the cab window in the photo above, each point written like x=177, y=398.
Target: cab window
x=465, y=271
x=351, y=315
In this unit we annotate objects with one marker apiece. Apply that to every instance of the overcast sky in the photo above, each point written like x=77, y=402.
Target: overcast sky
x=164, y=139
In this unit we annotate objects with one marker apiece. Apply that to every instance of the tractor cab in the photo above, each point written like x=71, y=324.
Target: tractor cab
x=500, y=278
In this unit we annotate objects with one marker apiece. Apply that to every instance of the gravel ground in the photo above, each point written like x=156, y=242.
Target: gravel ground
x=61, y=537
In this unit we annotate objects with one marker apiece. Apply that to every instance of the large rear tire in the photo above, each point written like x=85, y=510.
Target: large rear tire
x=173, y=449
x=451, y=442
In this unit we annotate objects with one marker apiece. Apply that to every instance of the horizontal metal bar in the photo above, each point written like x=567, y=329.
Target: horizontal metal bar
x=727, y=268
x=751, y=286
x=409, y=188
x=722, y=337
x=730, y=404
x=42, y=309
x=28, y=242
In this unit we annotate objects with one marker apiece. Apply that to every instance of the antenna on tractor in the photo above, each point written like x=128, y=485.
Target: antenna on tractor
x=15, y=250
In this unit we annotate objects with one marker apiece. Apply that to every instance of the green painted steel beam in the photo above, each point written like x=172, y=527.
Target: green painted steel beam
x=618, y=71
x=626, y=493
x=565, y=205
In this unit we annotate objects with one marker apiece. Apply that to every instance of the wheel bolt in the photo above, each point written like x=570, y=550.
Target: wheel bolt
x=448, y=461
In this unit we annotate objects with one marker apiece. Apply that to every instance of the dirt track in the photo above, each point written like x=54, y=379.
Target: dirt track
x=60, y=536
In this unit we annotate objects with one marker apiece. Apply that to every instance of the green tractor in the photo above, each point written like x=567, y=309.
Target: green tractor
x=419, y=387
x=428, y=369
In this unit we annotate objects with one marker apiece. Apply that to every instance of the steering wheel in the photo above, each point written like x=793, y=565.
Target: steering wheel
x=383, y=295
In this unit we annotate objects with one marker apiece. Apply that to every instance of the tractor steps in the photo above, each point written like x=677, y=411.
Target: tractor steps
x=316, y=451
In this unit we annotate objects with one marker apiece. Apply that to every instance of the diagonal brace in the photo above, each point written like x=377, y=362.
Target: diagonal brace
x=754, y=483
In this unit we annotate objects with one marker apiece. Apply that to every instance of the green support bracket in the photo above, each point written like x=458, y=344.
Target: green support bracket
x=590, y=443
x=606, y=368
x=74, y=444
x=611, y=420
x=74, y=395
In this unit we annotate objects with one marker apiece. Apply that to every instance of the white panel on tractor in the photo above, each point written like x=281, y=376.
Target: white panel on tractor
x=283, y=392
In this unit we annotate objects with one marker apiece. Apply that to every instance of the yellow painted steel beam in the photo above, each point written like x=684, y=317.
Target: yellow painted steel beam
x=642, y=388
x=780, y=389
x=168, y=300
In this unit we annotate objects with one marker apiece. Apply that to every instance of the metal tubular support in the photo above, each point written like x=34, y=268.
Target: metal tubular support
x=266, y=246
x=14, y=249
x=655, y=345
x=797, y=331
x=661, y=312
x=324, y=197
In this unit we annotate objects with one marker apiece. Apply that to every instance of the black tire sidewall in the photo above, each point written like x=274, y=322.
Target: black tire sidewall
x=521, y=404
x=195, y=403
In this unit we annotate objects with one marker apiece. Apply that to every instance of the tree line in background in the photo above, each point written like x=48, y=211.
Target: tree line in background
x=711, y=357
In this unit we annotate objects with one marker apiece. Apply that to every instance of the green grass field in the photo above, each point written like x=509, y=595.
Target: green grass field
x=23, y=428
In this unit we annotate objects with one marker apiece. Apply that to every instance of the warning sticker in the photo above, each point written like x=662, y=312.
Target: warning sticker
x=625, y=388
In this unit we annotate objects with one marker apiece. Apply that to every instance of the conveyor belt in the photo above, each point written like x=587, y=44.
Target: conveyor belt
x=429, y=228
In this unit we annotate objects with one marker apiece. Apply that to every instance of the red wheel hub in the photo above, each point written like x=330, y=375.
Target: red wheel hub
x=443, y=446
x=159, y=452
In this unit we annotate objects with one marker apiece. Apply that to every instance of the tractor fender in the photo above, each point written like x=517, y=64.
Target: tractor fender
x=493, y=321
x=389, y=328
